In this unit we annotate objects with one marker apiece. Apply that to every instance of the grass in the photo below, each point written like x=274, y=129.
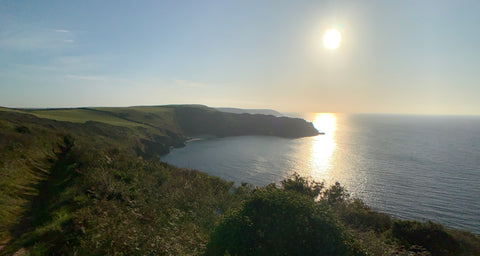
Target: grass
x=11, y=110
x=105, y=201
x=158, y=117
x=161, y=118
x=82, y=115
x=24, y=152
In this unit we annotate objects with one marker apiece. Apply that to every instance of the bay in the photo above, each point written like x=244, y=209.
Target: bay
x=412, y=167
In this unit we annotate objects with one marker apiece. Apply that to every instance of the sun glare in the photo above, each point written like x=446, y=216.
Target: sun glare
x=332, y=39
x=323, y=146
x=325, y=122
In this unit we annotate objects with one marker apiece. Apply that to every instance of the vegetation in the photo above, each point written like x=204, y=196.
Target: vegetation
x=84, y=192
x=381, y=234
x=188, y=120
x=81, y=115
x=97, y=188
x=281, y=222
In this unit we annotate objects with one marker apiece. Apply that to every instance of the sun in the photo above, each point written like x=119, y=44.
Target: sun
x=332, y=39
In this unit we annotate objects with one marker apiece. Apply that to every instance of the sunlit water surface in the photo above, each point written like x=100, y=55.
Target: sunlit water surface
x=412, y=167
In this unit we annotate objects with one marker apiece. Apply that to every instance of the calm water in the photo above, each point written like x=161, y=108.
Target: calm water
x=412, y=167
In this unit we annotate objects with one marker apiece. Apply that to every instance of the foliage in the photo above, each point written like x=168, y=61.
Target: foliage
x=380, y=234
x=357, y=215
x=335, y=194
x=95, y=195
x=303, y=185
x=429, y=235
x=281, y=222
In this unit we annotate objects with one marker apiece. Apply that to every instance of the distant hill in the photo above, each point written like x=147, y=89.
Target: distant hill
x=158, y=128
x=251, y=111
x=197, y=120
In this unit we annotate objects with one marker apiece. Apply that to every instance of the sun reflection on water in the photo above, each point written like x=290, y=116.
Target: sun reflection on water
x=323, y=146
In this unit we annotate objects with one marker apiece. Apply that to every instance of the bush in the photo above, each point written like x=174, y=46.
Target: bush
x=281, y=222
x=303, y=186
x=336, y=194
x=431, y=236
x=358, y=215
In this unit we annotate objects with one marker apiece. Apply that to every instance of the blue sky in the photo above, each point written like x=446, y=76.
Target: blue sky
x=395, y=56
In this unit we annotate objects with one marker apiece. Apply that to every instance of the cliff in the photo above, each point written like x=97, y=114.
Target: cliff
x=194, y=120
x=157, y=128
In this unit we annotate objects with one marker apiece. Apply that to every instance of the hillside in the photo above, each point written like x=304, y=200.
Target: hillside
x=180, y=120
x=196, y=121
x=87, y=181
x=84, y=189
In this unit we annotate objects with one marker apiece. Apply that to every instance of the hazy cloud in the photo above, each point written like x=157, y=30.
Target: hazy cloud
x=116, y=82
x=200, y=85
x=89, y=78
x=22, y=37
x=185, y=83
x=61, y=31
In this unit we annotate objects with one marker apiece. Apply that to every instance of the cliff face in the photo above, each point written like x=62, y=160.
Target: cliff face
x=153, y=130
x=198, y=121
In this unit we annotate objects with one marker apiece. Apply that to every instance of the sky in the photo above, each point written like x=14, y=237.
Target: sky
x=413, y=57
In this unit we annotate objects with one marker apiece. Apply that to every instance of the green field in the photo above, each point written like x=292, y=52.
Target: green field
x=82, y=115
x=156, y=116
x=161, y=117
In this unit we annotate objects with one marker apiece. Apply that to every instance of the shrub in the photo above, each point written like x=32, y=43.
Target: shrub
x=280, y=222
x=335, y=194
x=303, y=186
x=358, y=215
x=431, y=236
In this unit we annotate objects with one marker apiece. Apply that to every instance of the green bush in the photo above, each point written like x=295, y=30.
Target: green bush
x=335, y=194
x=281, y=222
x=303, y=186
x=431, y=236
x=358, y=215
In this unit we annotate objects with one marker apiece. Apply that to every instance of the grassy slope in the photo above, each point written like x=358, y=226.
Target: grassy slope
x=81, y=188
x=28, y=145
x=24, y=154
x=81, y=115
x=160, y=117
x=148, y=116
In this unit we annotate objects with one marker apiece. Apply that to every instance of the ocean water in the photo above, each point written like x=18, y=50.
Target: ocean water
x=411, y=167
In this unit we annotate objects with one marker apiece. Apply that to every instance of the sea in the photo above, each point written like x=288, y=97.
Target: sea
x=416, y=167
